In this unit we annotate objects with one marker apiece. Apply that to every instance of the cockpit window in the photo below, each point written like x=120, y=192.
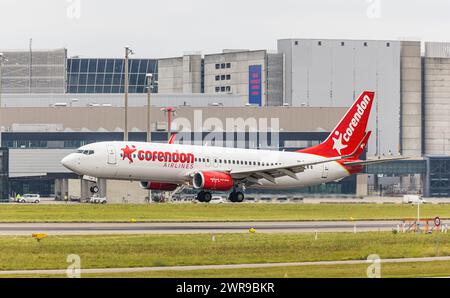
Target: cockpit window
x=86, y=152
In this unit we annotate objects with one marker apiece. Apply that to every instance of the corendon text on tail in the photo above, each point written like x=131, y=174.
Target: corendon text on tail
x=172, y=167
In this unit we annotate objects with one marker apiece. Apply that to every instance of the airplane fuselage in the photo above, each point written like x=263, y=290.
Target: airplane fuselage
x=173, y=163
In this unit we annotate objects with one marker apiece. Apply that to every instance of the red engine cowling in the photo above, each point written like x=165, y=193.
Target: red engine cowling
x=213, y=181
x=158, y=186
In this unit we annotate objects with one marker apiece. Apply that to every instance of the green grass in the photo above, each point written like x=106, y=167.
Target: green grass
x=389, y=270
x=203, y=212
x=21, y=253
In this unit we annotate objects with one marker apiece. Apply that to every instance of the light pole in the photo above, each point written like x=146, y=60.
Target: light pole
x=128, y=52
x=2, y=61
x=149, y=93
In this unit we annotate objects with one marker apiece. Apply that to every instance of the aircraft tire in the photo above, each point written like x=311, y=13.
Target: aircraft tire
x=201, y=197
x=207, y=197
x=240, y=197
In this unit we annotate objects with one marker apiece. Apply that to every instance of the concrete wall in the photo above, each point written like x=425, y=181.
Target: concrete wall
x=437, y=105
x=411, y=93
x=192, y=74
x=275, y=74
x=170, y=75
x=331, y=73
x=180, y=74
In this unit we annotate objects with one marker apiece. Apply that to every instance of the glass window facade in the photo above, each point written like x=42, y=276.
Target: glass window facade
x=438, y=176
x=108, y=75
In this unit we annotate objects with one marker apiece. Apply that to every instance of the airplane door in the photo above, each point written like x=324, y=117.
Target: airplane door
x=325, y=171
x=112, y=159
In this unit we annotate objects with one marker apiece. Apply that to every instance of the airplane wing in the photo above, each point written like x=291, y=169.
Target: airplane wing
x=272, y=172
x=373, y=161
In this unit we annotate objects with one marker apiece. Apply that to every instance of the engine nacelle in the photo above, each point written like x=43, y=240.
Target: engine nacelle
x=158, y=186
x=213, y=181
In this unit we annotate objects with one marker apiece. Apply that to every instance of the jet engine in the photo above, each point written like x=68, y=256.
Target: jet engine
x=213, y=181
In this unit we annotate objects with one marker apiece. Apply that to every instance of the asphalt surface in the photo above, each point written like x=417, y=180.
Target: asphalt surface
x=220, y=267
x=196, y=228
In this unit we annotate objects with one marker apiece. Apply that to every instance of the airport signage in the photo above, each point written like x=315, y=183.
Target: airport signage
x=255, y=85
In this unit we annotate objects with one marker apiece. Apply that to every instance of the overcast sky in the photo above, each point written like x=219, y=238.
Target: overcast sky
x=165, y=28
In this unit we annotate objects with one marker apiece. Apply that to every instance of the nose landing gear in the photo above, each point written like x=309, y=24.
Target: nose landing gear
x=94, y=189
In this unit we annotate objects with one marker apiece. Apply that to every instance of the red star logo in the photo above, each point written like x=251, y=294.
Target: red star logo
x=128, y=153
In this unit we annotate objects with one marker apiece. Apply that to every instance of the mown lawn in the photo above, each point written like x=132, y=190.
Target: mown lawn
x=20, y=253
x=204, y=212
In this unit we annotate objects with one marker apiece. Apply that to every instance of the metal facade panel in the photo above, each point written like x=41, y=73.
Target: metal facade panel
x=41, y=71
x=437, y=49
x=36, y=162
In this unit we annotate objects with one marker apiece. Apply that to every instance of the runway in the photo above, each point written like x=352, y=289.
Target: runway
x=195, y=228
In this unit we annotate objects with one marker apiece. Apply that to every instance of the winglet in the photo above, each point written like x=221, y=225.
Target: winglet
x=172, y=138
x=363, y=145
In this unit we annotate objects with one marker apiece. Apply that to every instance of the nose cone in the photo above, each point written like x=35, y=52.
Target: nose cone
x=70, y=162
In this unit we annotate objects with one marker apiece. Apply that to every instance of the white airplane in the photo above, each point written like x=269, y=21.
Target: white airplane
x=172, y=167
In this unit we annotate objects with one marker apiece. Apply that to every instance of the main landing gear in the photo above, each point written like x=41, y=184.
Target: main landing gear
x=236, y=196
x=204, y=196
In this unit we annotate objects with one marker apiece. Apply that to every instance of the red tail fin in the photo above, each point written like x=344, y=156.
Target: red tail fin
x=350, y=130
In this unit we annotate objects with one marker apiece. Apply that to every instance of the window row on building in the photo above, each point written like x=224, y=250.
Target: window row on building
x=223, y=77
x=223, y=65
x=220, y=89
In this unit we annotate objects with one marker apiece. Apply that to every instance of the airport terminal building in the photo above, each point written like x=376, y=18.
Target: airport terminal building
x=52, y=104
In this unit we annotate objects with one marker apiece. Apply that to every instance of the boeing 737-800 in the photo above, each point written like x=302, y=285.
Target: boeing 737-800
x=170, y=167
